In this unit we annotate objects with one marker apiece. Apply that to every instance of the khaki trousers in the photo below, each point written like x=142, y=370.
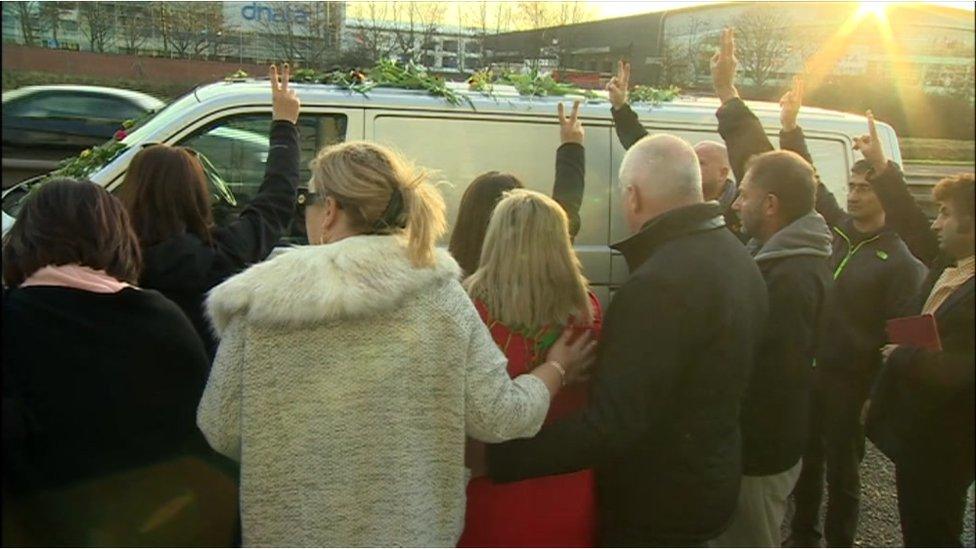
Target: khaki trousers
x=758, y=516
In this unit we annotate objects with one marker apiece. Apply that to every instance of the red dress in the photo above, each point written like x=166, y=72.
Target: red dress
x=552, y=511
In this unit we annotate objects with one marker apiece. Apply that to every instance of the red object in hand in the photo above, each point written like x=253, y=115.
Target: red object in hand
x=915, y=331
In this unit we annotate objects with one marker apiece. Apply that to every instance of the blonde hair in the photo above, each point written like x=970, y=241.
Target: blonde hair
x=365, y=179
x=529, y=275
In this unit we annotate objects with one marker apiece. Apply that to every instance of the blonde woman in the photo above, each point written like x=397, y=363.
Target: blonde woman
x=350, y=371
x=528, y=289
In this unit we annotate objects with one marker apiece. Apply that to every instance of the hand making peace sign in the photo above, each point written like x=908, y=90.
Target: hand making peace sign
x=284, y=101
x=570, y=129
x=618, y=85
x=871, y=146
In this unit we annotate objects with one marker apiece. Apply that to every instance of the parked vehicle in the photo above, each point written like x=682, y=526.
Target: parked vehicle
x=503, y=132
x=44, y=124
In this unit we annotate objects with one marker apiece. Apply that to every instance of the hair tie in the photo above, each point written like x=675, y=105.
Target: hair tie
x=393, y=216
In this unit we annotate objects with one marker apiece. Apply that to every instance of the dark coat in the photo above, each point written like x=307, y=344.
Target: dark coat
x=875, y=274
x=924, y=402
x=100, y=393
x=661, y=427
x=630, y=131
x=184, y=268
x=777, y=402
x=877, y=278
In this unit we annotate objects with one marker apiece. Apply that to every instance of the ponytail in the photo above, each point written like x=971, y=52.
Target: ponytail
x=385, y=194
x=426, y=221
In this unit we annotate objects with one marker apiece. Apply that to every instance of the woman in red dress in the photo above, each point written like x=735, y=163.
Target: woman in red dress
x=528, y=288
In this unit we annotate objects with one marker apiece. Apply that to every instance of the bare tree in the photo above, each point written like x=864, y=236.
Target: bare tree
x=306, y=31
x=417, y=23
x=192, y=28
x=762, y=43
x=97, y=23
x=50, y=16
x=372, y=35
x=696, y=47
x=541, y=14
x=674, y=67
x=29, y=18
x=504, y=17
x=134, y=25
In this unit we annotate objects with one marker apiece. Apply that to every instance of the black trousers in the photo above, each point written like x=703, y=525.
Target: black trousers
x=835, y=447
x=932, y=498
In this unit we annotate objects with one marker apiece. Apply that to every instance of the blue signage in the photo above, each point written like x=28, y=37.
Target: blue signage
x=263, y=12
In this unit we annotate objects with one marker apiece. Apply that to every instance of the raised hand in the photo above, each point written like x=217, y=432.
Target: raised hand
x=284, y=101
x=570, y=129
x=871, y=146
x=723, y=67
x=618, y=85
x=790, y=105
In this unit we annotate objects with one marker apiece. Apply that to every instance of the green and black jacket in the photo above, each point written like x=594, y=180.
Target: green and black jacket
x=875, y=275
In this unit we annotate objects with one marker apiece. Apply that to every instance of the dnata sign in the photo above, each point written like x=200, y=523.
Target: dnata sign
x=262, y=12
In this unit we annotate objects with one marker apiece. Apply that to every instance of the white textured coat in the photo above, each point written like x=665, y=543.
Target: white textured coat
x=345, y=382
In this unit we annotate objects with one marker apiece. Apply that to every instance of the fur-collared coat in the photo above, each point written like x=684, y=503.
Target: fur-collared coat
x=345, y=383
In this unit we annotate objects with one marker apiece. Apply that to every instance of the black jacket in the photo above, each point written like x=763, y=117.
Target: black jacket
x=775, y=412
x=185, y=268
x=630, y=131
x=662, y=427
x=94, y=383
x=875, y=275
x=923, y=401
x=569, y=185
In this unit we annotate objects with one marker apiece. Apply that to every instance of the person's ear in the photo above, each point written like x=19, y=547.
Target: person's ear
x=632, y=199
x=724, y=170
x=330, y=216
x=771, y=205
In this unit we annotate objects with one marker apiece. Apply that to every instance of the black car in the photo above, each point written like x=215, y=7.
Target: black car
x=44, y=124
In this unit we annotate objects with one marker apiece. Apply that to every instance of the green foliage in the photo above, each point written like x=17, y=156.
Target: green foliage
x=655, y=96
x=388, y=73
x=90, y=160
x=538, y=85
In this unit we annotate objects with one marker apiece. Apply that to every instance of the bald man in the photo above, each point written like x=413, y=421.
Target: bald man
x=713, y=158
x=661, y=428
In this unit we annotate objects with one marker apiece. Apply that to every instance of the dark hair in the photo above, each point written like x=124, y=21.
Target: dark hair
x=959, y=190
x=67, y=221
x=861, y=167
x=788, y=176
x=477, y=204
x=165, y=193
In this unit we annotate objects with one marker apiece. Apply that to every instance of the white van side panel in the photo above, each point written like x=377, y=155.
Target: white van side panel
x=461, y=148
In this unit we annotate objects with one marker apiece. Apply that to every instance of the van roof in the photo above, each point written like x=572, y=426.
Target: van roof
x=505, y=99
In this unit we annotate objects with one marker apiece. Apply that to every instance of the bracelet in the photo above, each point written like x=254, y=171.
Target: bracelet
x=561, y=370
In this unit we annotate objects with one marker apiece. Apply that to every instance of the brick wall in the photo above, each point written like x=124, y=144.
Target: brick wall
x=110, y=66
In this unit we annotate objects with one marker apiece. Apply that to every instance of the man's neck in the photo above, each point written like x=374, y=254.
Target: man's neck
x=869, y=225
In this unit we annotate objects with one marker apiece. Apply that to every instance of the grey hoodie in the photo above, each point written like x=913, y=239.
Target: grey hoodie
x=808, y=235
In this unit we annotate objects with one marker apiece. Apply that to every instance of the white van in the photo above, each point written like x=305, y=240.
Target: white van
x=228, y=122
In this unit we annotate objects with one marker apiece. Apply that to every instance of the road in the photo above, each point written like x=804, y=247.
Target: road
x=879, y=526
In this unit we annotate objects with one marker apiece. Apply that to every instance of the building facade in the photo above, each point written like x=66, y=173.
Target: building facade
x=315, y=34
x=930, y=47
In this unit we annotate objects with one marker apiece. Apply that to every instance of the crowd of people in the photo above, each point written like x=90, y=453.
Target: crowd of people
x=164, y=383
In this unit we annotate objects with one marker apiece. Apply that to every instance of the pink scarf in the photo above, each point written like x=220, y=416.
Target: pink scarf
x=77, y=277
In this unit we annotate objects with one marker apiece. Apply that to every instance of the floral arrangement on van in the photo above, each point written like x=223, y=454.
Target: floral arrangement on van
x=391, y=74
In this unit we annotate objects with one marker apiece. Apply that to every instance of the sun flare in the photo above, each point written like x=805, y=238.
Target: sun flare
x=877, y=9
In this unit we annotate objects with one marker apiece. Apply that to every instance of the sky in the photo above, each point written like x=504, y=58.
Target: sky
x=606, y=9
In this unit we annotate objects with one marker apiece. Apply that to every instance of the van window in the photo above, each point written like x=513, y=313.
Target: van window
x=237, y=149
